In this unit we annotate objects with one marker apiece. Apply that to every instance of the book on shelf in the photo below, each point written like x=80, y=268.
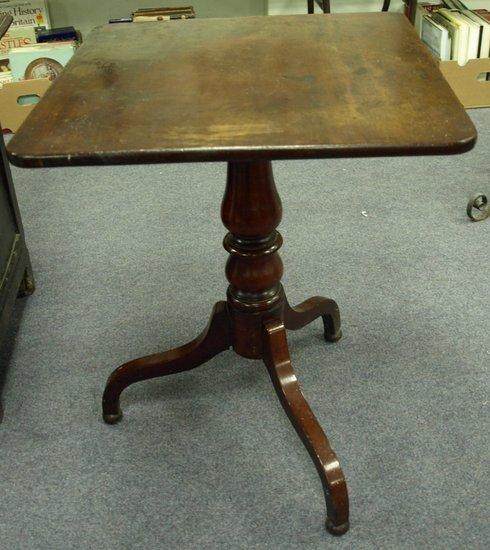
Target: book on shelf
x=15, y=37
x=437, y=38
x=41, y=60
x=27, y=17
x=469, y=35
x=450, y=22
x=30, y=13
x=423, y=8
x=60, y=34
x=453, y=32
x=484, y=32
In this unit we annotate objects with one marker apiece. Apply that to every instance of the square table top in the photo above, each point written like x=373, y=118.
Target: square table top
x=248, y=88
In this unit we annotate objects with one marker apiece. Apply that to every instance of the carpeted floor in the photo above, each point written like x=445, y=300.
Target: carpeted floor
x=208, y=459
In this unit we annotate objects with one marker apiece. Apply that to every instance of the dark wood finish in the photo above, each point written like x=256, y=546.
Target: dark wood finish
x=16, y=278
x=324, y=5
x=320, y=87
x=412, y=10
x=309, y=310
x=251, y=210
x=213, y=340
x=248, y=90
x=15, y=268
x=278, y=363
x=253, y=321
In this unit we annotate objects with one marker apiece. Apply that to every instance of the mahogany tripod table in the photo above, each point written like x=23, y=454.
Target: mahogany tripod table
x=248, y=91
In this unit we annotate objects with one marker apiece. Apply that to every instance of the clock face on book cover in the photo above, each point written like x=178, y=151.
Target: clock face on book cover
x=43, y=67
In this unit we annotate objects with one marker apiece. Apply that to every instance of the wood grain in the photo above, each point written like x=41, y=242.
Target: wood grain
x=252, y=88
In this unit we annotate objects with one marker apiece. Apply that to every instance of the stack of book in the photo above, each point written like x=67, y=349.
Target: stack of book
x=28, y=15
x=31, y=49
x=31, y=55
x=452, y=32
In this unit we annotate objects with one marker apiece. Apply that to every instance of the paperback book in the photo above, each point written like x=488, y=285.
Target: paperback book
x=437, y=38
x=41, y=60
x=15, y=37
x=30, y=13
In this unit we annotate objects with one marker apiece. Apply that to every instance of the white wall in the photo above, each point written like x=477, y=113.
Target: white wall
x=278, y=7
x=86, y=14
x=283, y=7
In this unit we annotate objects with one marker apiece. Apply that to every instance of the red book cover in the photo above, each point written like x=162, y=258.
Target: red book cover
x=483, y=13
x=428, y=6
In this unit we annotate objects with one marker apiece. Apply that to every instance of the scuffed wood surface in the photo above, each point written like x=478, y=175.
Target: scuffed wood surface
x=246, y=88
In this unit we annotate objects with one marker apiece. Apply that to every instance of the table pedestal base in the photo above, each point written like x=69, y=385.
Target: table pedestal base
x=253, y=321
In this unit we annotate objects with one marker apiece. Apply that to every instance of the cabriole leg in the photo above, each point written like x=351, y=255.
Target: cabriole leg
x=278, y=362
x=308, y=311
x=213, y=340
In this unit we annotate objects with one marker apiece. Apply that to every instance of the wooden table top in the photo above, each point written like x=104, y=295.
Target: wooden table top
x=246, y=88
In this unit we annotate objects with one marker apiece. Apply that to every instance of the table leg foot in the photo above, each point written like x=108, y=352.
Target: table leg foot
x=112, y=418
x=278, y=362
x=308, y=311
x=336, y=530
x=213, y=340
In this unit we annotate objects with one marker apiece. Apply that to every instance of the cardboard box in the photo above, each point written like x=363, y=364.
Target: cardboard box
x=17, y=99
x=469, y=82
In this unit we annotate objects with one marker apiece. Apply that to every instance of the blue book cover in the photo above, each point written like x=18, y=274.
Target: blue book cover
x=40, y=61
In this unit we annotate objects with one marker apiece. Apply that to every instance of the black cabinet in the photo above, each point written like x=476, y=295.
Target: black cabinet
x=15, y=267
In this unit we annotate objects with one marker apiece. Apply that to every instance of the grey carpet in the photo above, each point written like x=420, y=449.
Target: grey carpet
x=128, y=261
